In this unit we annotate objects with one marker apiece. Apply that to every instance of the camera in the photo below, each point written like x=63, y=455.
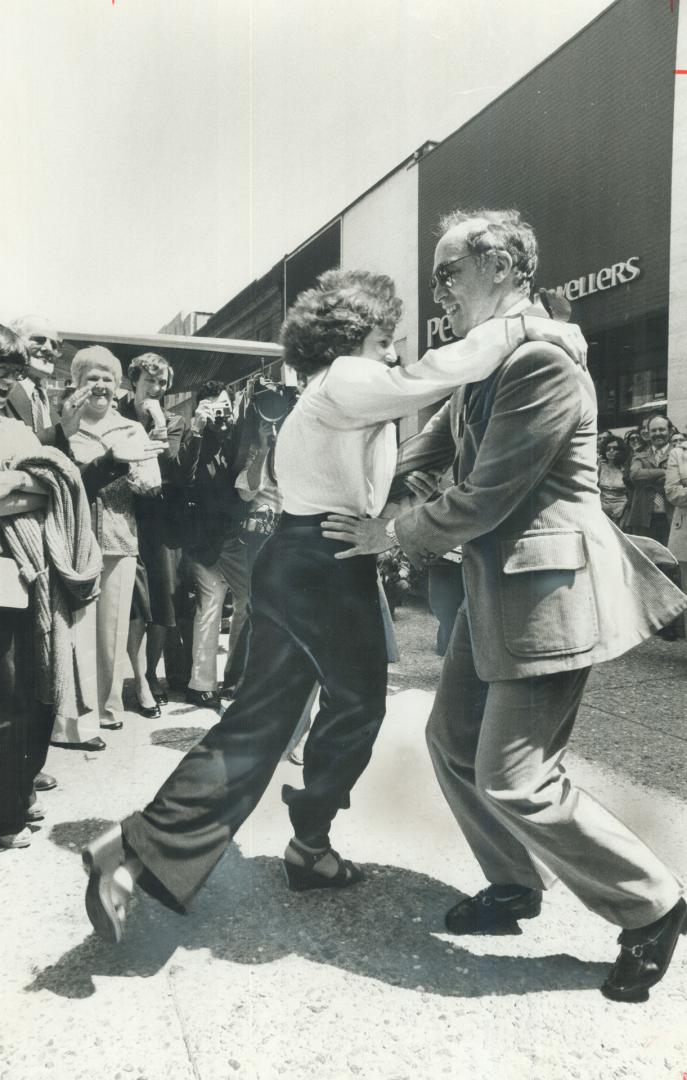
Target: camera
x=222, y=412
x=272, y=401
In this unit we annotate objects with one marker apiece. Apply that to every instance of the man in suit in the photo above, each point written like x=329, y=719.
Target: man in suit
x=28, y=400
x=650, y=513
x=551, y=588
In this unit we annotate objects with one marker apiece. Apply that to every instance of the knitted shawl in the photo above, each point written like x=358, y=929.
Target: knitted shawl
x=60, y=561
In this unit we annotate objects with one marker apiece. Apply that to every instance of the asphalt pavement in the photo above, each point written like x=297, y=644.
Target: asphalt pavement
x=259, y=983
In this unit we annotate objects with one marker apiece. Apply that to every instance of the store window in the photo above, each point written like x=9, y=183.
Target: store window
x=629, y=366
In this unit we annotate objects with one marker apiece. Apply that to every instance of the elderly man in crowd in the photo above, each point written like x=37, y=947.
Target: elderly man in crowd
x=551, y=588
x=50, y=571
x=29, y=400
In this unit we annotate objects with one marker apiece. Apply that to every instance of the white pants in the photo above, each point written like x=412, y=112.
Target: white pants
x=211, y=582
x=113, y=609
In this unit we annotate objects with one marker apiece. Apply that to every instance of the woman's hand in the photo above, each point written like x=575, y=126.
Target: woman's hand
x=72, y=411
x=133, y=446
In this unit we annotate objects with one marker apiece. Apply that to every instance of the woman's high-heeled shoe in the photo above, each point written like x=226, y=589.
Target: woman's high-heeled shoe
x=300, y=877
x=158, y=692
x=106, y=901
x=150, y=714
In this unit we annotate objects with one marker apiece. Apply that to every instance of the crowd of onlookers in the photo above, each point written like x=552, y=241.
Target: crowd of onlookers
x=168, y=514
x=643, y=483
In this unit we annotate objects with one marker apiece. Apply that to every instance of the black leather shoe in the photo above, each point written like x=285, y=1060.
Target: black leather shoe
x=112, y=725
x=150, y=714
x=44, y=782
x=204, y=699
x=494, y=909
x=645, y=956
x=89, y=745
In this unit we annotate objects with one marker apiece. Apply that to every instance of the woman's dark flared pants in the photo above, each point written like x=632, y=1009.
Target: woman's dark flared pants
x=313, y=618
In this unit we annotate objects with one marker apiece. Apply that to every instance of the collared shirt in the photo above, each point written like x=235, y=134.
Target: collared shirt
x=336, y=451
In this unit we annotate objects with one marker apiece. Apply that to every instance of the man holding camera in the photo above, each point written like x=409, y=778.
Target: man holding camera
x=215, y=557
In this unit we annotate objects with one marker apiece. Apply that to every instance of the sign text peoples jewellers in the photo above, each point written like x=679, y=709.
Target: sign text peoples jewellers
x=620, y=273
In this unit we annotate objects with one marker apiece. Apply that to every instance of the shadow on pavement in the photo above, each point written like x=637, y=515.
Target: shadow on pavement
x=382, y=929
x=178, y=738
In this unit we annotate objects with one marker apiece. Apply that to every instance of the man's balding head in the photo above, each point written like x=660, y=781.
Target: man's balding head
x=484, y=263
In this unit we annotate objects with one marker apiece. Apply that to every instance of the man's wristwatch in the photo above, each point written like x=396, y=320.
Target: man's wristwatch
x=390, y=530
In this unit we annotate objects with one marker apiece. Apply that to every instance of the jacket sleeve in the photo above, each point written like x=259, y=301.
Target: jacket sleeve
x=170, y=458
x=676, y=492
x=644, y=475
x=366, y=391
x=432, y=450
x=537, y=407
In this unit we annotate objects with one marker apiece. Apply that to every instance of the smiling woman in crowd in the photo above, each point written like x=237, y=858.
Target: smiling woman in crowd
x=106, y=447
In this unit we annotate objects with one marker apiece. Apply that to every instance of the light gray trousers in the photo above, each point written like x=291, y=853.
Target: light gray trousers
x=498, y=751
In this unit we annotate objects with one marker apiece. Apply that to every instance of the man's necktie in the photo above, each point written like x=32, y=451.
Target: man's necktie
x=39, y=407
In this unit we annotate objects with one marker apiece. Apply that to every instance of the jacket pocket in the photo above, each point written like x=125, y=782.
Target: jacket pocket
x=546, y=596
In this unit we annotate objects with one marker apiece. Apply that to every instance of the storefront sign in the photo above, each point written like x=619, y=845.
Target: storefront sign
x=609, y=277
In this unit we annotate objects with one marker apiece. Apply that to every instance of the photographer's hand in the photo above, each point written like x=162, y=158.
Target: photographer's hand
x=202, y=416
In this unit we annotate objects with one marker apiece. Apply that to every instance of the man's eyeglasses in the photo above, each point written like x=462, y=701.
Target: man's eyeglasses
x=443, y=275
x=41, y=340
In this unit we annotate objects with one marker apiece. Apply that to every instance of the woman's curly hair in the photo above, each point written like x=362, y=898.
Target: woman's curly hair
x=335, y=317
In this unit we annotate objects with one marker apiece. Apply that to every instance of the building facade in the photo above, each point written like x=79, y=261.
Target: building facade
x=590, y=147
x=583, y=147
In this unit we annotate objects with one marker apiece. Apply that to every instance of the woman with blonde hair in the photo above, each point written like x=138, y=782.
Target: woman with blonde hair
x=117, y=459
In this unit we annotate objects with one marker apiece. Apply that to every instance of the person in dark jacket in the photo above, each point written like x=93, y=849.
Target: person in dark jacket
x=215, y=557
x=158, y=522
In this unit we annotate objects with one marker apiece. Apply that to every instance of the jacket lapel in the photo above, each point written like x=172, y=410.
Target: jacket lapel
x=19, y=404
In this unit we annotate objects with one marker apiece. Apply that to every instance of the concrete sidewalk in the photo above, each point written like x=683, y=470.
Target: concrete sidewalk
x=258, y=982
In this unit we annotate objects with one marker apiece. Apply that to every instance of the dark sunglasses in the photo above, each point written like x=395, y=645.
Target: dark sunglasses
x=41, y=340
x=443, y=274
